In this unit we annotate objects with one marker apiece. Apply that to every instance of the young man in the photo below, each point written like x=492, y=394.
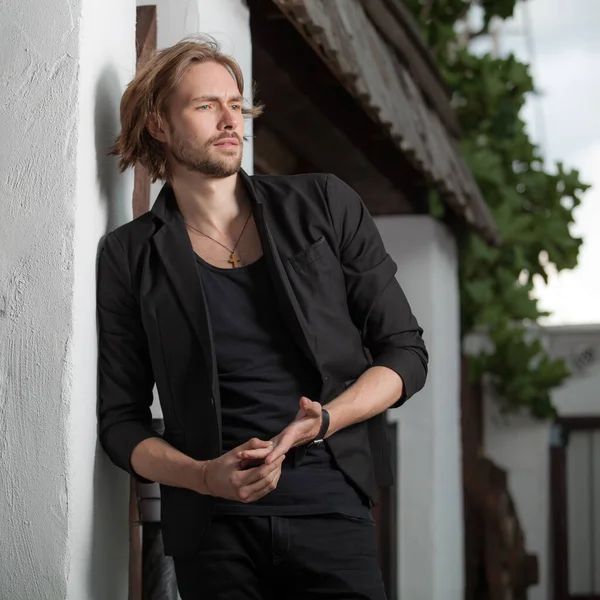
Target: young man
x=267, y=311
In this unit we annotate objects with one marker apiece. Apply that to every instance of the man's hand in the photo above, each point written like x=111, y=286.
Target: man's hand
x=303, y=429
x=224, y=477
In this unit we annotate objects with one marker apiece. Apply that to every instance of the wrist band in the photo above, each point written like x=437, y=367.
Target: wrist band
x=324, y=427
x=204, y=479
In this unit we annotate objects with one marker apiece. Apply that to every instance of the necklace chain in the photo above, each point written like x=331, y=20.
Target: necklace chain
x=233, y=259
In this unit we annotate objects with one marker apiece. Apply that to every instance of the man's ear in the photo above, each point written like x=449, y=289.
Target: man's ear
x=155, y=126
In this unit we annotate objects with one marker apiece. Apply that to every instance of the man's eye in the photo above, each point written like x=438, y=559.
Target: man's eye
x=204, y=107
x=236, y=106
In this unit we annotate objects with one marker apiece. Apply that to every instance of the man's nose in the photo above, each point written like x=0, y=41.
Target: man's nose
x=228, y=119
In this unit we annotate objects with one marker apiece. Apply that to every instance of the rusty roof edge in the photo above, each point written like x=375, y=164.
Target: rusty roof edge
x=398, y=27
x=411, y=28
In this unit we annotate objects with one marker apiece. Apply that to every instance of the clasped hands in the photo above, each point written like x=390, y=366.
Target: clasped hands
x=253, y=469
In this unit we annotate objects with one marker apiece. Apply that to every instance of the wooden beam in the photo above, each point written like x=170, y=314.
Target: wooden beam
x=145, y=34
x=145, y=45
x=558, y=514
x=272, y=156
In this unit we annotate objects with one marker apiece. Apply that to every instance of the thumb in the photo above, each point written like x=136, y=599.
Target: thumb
x=313, y=409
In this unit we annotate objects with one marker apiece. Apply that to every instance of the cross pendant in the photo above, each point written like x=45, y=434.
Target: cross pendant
x=234, y=260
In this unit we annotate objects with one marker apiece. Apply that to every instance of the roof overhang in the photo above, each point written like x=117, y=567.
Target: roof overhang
x=373, y=48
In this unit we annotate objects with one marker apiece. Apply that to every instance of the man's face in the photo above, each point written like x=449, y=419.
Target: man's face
x=205, y=122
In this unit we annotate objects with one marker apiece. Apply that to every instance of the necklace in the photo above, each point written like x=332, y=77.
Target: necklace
x=234, y=259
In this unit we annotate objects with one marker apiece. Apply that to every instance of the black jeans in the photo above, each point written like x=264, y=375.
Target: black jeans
x=283, y=558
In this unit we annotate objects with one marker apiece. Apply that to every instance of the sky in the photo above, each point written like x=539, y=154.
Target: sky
x=561, y=40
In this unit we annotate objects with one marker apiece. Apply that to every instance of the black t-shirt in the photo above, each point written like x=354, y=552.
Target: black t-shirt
x=262, y=376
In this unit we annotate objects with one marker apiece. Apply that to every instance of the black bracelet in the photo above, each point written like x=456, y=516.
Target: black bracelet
x=324, y=427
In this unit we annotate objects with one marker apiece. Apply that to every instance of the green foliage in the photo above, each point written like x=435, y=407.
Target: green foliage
x=518, y=368
x=532, y=206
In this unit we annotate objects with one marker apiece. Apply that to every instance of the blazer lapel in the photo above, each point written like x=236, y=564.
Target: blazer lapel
x=175, y=250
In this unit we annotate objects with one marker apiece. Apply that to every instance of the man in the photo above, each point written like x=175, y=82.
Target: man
x=268, y=314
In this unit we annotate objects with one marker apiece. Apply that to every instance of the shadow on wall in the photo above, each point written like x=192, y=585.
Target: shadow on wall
x=107, y=578
x=108, y=567
x=114, y=190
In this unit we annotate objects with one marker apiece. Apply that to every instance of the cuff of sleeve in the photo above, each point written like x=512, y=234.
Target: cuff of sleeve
x=120, y=440
x=409, y=368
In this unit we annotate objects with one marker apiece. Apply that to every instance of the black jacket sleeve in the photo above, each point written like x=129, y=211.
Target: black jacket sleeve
x=377, y=304
x=124, y=371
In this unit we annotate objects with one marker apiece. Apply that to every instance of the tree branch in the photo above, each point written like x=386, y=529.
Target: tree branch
x=426, y=10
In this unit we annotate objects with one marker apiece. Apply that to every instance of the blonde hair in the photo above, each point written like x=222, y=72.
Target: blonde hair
x=147, y=94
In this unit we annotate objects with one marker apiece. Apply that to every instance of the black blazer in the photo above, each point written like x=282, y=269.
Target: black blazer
x=340, y=300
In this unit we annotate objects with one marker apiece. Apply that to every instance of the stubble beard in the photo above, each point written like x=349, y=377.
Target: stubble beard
x=197, y=158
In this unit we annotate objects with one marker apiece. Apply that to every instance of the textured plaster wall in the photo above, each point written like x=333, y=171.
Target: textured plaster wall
x=430, y=517
x=63, y=510
x=39, y=56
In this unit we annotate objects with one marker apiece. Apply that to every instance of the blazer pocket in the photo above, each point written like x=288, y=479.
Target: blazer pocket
x=303, y=259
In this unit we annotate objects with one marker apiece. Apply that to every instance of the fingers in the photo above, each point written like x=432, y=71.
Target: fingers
x=250, y=476
x=261, y=487
x=281, y=447
x=255, y=454
x=264, y=487
x=253, y=444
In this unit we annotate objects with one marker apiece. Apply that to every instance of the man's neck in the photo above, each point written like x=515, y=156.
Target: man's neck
x=210, y=204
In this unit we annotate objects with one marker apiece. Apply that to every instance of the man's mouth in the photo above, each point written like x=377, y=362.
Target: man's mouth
x=227, y=143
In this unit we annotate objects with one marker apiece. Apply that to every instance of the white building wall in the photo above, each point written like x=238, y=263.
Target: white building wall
x=430, y=512
x=580, y=395
x=521, y=444
x=64, y=68
x=39, y=62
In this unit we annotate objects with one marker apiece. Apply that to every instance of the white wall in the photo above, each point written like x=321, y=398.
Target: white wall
x=64, y=66
x=39, y=62
x=521, y=445
x=430, y=513
x=580, y=395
